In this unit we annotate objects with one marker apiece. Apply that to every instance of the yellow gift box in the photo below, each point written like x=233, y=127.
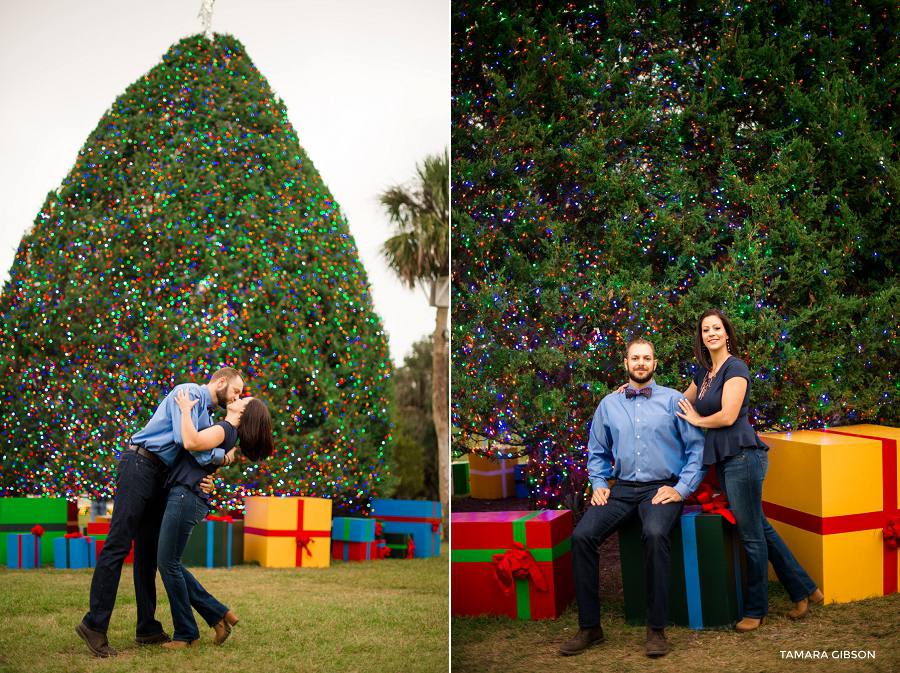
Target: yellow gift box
x=831, y=494
x=491, y=479
x=287, y=532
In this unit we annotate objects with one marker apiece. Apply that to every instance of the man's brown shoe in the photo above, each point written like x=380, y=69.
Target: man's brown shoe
x=181, y=644
x=584, y=639
x=96, y=641
x=657, y=645
x=158, y=639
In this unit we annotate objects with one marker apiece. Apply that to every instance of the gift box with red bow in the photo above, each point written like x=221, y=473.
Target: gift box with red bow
x=98, y=530
x=399, y=545
x=420, y=518
x=343, y=550
x=210, y=544
x=833, y=497
x=514, y=564
x=20, y=515
x=74, y=551
x=23, y=550
x=707, y=572
x=282, y=532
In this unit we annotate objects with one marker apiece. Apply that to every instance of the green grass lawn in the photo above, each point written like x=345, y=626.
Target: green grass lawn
x=388, y=616
x=488, y=644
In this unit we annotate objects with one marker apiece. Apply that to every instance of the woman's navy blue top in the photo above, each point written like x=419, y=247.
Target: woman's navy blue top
x=188, y=473
x=728, y=441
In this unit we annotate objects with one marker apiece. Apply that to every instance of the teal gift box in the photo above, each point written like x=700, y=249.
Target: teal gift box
x=210, y=545
x=348, y=529
x=74, y=552
x=419, y=518
x=20, y=515
x=707, y=575
x=23, y=550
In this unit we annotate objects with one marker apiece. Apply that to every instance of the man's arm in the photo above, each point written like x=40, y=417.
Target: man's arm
x=693, y=472
x=600, y=457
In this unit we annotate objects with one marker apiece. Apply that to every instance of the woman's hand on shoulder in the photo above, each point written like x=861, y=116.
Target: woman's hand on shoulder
x=621, y=389
x=184, y=402
x=688, y=412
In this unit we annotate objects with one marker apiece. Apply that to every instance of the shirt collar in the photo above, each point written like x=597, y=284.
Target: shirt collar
x=206, y=399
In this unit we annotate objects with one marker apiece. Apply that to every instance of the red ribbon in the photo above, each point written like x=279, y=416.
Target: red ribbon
x=303, y=541
x=710, y=502
x=517, y=563
x=37, y=530
x=72, y=535
x=892, y=533
x=434, y=527
x=379, y=529
x=383, y=551
x=410, y=548
x=220, y=518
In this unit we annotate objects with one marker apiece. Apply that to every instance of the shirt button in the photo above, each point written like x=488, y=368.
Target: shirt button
x=638, y=436
x=639, y=453
x=638, y=420
x=639, y=469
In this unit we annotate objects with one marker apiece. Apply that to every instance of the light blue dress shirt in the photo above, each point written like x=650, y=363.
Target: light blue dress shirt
x=162, y=434
x=643, y=440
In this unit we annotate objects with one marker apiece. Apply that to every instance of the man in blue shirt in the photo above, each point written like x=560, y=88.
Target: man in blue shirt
x=656, y=458
x=139, y=508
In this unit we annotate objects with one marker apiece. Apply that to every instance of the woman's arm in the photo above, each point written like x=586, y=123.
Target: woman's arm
x=691, y=393
x=732, y=396
x=194, y=440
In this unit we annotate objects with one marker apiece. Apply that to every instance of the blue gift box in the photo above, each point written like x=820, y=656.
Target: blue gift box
x=23, y=550
x=420, y=518
x=349, y=529
x=521, y=487
x=74, y=552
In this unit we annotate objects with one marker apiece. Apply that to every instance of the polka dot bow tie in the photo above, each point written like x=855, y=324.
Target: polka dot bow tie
x=631, y=392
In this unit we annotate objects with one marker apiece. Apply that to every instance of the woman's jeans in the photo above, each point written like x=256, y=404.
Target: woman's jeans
x=742, y=478
x=184, y=510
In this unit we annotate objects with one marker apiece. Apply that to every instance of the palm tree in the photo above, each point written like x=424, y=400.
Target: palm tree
x=419, y=253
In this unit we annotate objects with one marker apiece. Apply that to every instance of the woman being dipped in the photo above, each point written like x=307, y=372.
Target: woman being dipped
x=247, y=420
x=720, y=392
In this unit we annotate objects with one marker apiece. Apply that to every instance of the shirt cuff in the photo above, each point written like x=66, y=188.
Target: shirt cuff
x=599, y=483
x=218, y=456
x=683, y=490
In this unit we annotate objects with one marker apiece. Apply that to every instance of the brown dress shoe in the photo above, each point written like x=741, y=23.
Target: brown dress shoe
x=181, y=644
x=657, y=644
x=157, y=639
x=96, y=641
x=801, y=607
x=584, y=639
x=749, y=624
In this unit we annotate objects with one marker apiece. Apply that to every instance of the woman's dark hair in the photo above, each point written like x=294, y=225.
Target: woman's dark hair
x=701, y=352
x=255, y=431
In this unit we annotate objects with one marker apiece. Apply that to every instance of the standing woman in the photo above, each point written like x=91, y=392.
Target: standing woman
x=721, y=392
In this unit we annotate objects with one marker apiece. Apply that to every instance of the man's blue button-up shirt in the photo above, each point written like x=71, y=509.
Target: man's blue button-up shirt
x=643, y=440
x=162, y=434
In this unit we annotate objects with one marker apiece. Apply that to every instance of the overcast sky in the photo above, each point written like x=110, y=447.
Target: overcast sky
x=366, y=84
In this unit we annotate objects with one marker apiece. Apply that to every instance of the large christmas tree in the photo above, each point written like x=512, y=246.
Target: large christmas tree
x=619, y=167
x=193, y=232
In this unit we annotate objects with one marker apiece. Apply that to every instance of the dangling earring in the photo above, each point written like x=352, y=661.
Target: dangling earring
x=728, y=344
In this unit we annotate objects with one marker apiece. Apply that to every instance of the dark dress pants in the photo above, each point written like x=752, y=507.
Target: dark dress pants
x=137, y=515
x=626, y=500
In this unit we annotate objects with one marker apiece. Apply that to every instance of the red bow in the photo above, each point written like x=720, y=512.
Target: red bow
x=717, y=504
x=892, y=533
x=517, y=564
x=435, y=527
x=37, y=530
x=220, y=518
x=383, y=552
x=410, y=548
x=72, y=535
x=379, y=528
x=303, y=541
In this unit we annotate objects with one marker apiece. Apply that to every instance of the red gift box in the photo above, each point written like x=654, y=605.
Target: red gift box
x=99, y=531
x=516, y=564
x=343, y=550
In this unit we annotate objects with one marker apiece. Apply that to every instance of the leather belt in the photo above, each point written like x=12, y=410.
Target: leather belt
x=149, y=455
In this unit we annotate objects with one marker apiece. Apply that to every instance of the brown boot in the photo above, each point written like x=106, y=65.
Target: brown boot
x=181, y=644
x=801, y=607
x=584, y=639
x=96, y=641
x=223, y=627
x=657, y=644
x=158, y=639
x=749, y=624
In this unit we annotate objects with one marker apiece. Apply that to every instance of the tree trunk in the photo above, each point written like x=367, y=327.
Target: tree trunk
x=440, y=404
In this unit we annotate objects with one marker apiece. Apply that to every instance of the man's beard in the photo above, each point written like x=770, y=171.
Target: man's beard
x=641, y=377
x=221, y=399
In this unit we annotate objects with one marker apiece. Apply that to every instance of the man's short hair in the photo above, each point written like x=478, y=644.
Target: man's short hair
x=639, y=341
x=229, y=373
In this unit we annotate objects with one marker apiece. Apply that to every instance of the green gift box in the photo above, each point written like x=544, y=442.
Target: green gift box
x=707, y=575
x=237, y=542
x=460, y=477
x=400, y=545
x=210, y=545
x=20, y=515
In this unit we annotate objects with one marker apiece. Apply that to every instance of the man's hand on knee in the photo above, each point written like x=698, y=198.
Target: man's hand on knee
x=600, y=496
x=666, y=494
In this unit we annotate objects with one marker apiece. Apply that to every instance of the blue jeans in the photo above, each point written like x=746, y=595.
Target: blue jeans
x=599, y=522
x=184, y=510
x=742, y=478
x=137, y=515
